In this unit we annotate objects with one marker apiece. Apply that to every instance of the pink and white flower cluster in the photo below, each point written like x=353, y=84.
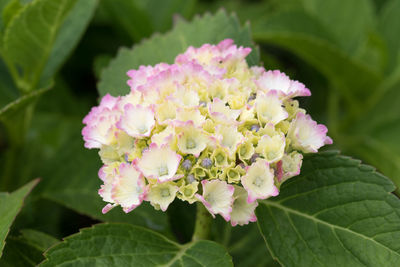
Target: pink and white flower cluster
x=207, y=128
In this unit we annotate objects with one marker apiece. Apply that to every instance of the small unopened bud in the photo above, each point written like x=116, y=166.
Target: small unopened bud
x=255, y=127
x=187, y=164
x=206, y=163
x=252, y=97
x=254, y=157
x=190, y=178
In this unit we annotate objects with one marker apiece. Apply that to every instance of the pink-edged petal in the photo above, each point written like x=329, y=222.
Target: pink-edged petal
x=242, y=211
x=217, y=197
x=259, y=181
x=280, y=82
x=129, y=187
x=137, y=121
x=306, y=135
x=160, y=163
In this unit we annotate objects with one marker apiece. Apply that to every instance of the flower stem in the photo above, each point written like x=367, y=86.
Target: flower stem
x=202, y=227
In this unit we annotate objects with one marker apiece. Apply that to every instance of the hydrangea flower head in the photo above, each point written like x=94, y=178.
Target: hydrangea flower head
x=207, y=128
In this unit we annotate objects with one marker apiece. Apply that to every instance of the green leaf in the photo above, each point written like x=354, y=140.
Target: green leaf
x=3, y=5
x=141, y=18
x=127, y=245
x=374, y=136
x=306, y=38
x=29, y=38
x=348, y=20
x=69, y=34
x=26, y=249
x=41, y=36
x=10, y=205
x=17, y=105
x=38, y=239
x=162, y=12
x=8, y=91
x=127, y=15
x=9, y=11
x=246, y=247
x=164, y=48
x=389, y=26
x=17, y=114
x=337, y=212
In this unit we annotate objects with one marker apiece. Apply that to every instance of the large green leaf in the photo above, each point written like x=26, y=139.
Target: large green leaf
x=8, y=91
x=140, y=18
x=374, y=136
x=3, y=5
x=16, y=116
x=389, y=26
x=304, y=36
x=348, y=20
x=246, y=247
x=69, y=34
x=162, y=12
x=40, y=37
x=127, y=245
x=10, y=205
x=338, y=212
x=29, y=38
x=164, y=48
x=128, y=16
x=26, y=249
x=19, y=104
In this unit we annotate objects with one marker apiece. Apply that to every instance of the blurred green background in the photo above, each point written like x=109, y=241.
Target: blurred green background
x=345, y=51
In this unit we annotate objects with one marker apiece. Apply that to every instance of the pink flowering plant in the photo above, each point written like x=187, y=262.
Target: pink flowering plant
x=207, y=129
x=199, y=145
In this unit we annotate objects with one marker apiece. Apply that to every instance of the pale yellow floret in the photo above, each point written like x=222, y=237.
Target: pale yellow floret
x=166, y=112
x=166, y=136
x=268, y=129
x=191, y=140
x=161, y=195
x=219, y=89
x=209, y=126
x=271, y=148
x=108, y=154
x=221, y=113
x=198, y=172
x=128, y=188
x=214, y=172
x=116, y=152
x=220, y=157
x=232, y=174
x=246, y=150
x=259, y=181
x=242, y=211
x=237, y=101
x=133, y=98
x=150, y=97
x=269, y=108
x=229, y=137
x=185, y=98
x=292, y=108
x=248, y=114
x=187, y=192
x=283, y=126
x=137, y=150
x=194, y=115
x=291, y=164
